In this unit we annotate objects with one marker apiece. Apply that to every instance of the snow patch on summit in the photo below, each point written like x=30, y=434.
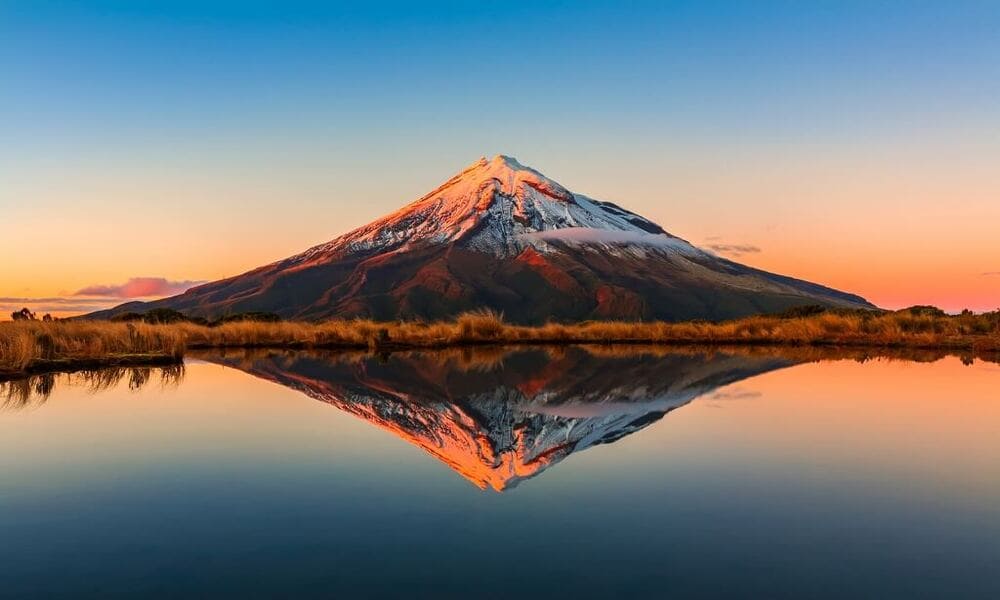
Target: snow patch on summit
x=491, y=206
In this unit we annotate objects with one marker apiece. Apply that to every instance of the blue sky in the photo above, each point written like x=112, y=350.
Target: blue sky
x=714, y=69
x=288, y=123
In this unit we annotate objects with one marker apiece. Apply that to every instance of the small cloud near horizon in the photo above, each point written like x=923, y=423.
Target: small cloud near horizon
x=991, y=274
x=733, y=249
x=139, y=287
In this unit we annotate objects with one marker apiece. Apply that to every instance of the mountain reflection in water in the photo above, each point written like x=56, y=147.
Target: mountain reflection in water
x=495, y=415
x=499, y=416
x=228, y=486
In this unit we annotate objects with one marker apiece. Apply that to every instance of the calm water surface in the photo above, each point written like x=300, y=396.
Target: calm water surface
x=497, y=473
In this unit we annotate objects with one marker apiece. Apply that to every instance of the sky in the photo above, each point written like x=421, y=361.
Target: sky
x=147, y=146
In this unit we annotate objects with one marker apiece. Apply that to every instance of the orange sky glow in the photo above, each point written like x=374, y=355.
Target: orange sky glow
x=854, y=146
x=896, y=232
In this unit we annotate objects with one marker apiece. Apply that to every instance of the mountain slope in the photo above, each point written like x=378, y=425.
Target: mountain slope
x=502, y=235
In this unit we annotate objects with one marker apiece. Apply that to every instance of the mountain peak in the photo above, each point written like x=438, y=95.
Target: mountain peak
x=500, y=234
x=500, y=161
x=510, y=173
x=498, y=206
x=509, y=162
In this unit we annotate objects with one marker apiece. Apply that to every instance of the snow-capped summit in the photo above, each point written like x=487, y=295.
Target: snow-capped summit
x=504, y=236
x=497, y=206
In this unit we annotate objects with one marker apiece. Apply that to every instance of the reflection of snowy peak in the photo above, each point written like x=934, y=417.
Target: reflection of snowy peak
x=502, y=424
x=503, y=236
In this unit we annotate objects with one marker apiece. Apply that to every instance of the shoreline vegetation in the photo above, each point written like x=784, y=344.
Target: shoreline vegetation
x=30, y=347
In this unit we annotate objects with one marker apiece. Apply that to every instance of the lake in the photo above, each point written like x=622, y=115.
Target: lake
x=585, y=472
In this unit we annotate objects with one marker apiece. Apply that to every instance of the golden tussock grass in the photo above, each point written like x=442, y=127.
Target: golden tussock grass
x=34, y=345
x=25, y=346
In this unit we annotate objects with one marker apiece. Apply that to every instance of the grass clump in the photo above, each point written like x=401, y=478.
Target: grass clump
x=28, y=346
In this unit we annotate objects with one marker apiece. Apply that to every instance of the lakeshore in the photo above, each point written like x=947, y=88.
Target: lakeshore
x=34, y=347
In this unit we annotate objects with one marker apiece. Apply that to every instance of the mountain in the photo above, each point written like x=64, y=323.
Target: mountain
x=501, y=417
x=504, y=236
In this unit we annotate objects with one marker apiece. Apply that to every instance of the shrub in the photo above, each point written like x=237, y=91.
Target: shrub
x=797, y=312
x=23, y=315
x=256, y=317
x=921, y=310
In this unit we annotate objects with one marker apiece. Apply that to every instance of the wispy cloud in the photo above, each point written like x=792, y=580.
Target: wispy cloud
x=96, y=297
x=733, y=249
x=991, y=274
x=139, y=287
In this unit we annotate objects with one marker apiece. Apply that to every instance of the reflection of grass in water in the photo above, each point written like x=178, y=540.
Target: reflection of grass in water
x=35, y=390
x=494, y=357
x=20, y=393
